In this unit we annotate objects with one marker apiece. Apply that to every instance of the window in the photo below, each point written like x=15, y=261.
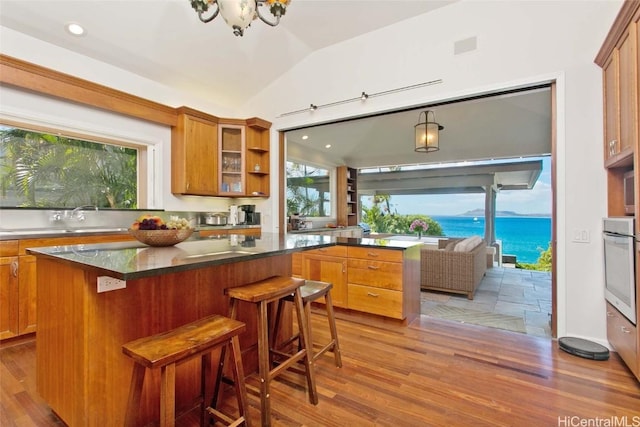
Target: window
x=308, y=190
x=50, y=170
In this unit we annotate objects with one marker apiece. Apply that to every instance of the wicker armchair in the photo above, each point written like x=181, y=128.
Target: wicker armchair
x=449, y=271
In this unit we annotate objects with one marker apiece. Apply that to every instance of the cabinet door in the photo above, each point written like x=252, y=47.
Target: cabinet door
x=627, y=58
x=328, y=269
x=194, y=160
x=27, y=285
x=623, y=336
x=610, y=82
x=9, y=294
x=232, y=164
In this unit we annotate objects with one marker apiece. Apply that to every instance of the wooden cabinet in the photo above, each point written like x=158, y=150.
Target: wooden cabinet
x=258, y=161
x=328, y=265
x=383, y=282
x=623, y=336
x=231, y=139
x=347, y=197
x=9, y=289
x=375, y=278
x=620, y=61
x=211, y=156
x=18, y=280
x=620, y=99
x=244, y=158
x=194, y=154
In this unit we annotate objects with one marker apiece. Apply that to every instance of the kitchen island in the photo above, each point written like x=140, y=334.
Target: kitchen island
x=81, y=371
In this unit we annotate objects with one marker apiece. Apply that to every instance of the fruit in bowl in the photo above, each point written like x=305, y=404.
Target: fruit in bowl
x=153, y=231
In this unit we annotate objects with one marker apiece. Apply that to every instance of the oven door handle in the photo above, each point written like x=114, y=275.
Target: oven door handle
x=619, y=238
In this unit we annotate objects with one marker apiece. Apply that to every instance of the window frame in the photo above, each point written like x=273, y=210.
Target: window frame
x=331, y=214
x=146, y=159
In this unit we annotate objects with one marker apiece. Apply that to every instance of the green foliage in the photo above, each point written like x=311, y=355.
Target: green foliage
x=45, y=170
x=306, y=192
x=543, y=263
x=382, y=220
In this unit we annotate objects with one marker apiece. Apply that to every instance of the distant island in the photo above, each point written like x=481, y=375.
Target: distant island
x=480, y=212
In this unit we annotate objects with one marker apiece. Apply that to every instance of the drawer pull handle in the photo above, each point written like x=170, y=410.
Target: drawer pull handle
x=372, y=254
x=322, y=250
x=14, y=268
x=624, y=330
x=372, y=267
x=609, y=314
x=371, y=294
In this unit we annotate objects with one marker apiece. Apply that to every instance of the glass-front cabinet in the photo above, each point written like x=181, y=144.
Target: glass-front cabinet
x=231, y=139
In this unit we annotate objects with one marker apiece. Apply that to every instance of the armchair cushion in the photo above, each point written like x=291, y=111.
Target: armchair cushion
x=467, y=244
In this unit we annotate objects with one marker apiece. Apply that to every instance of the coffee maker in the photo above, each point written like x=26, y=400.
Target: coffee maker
x=248, y=215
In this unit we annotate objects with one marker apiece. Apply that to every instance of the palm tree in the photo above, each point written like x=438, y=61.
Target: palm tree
x=45, y=170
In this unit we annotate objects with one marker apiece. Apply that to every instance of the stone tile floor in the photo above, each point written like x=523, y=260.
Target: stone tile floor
x=510, y=291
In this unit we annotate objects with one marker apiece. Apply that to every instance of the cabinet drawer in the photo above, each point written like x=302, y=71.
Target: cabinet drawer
x=9, y=248
x=375, y=301
x=622, y=335
x=379, y=274
x=375, y=254
x=339, y=251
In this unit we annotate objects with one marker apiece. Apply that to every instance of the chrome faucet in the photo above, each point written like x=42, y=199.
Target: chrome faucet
x=78, y=213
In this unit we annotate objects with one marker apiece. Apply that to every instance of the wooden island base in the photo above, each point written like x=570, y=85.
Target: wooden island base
x=81, y=371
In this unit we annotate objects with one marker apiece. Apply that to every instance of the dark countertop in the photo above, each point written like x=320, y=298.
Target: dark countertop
x=134, y=260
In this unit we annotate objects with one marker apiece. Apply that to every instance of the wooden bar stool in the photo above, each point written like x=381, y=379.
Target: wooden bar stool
x=311, y=291
x=262, y=293
x=169, y=349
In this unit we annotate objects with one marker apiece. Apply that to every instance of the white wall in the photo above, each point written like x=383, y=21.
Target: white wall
x=519, y=43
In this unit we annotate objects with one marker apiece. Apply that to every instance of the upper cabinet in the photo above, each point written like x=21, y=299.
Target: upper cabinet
x=194, y=154
x=231, y=140
x=212, y=156
x=619, y=61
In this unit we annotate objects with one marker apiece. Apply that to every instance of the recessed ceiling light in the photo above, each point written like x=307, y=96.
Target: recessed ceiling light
x=327, y=146
x=305, y=137
x=75, y=29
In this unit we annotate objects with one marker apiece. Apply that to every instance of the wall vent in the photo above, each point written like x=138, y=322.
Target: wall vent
x=466, y=45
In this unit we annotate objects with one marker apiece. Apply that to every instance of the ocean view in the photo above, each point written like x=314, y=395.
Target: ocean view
x=522, y=236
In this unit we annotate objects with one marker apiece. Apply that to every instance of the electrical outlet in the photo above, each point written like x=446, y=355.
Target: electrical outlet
x=581, y=236
x=106, y=283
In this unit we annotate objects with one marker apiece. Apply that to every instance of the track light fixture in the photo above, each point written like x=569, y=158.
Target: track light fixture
x=363, y=96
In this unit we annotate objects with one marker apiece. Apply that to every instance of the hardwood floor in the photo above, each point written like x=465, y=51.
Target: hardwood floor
x=431, y=373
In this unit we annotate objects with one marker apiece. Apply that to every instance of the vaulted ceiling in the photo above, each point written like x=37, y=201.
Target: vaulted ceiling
x=166, y=42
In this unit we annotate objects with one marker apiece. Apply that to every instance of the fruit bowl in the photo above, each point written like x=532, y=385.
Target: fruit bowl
x=161, y=237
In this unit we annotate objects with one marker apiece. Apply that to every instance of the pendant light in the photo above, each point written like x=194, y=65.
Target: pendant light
x=427, y=133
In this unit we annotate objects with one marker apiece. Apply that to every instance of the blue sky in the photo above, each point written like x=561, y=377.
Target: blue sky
x=534, y=201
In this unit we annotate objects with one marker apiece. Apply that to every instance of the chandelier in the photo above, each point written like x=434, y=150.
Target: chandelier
x=238, y=14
